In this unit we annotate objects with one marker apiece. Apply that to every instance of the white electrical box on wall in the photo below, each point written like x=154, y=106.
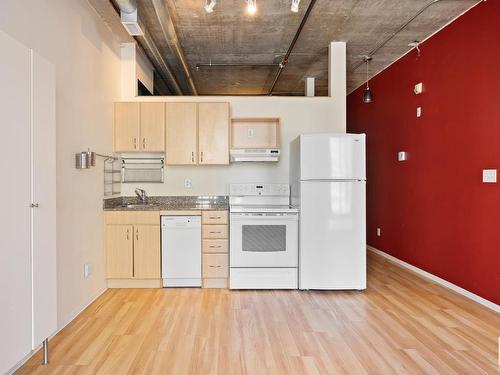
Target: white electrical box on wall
x=419, y=111
x=402, y=156
x=419, y=88
x=490, y=176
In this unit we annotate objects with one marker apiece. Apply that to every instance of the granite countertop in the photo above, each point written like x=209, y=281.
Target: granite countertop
x=167, y=203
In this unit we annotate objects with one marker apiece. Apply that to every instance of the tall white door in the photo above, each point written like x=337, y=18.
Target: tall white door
x=332, y=251
x=15, y=214
x=44, y=195
x=332, y=157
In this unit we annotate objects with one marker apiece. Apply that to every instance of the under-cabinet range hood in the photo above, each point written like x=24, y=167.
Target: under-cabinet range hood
x=255, y=154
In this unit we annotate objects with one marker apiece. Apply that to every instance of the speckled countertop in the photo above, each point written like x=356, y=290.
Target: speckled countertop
x=166, y=203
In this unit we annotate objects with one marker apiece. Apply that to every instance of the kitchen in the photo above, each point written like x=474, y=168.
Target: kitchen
x=214, y=187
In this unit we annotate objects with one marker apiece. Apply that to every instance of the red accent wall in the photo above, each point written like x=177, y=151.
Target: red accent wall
x=434, y=210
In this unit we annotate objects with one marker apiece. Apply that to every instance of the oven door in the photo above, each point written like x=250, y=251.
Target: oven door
x=264, y=240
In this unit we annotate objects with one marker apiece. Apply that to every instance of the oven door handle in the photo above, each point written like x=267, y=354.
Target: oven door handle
x=287, y=217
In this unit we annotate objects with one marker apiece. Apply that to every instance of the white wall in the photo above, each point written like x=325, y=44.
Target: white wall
x=298, y=115
x=87, y=59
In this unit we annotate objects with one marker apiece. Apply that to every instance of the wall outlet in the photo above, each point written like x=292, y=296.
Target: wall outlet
x=188, y=184
x=87, y=270
x=419, y=111
x=379, y=232
x=419, y=88
x=250, y=132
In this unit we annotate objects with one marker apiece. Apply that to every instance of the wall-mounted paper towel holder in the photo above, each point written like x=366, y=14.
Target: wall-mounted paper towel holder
x=86, y=159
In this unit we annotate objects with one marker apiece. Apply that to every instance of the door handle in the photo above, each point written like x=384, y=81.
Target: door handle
x=215, y=247
x=128, y=234
x=137, y=234
x=214, y=217
x=192, y=156
x=201, y=156
x=215, y=266
x=144, y=143
x=135, y=143
x=215, y=232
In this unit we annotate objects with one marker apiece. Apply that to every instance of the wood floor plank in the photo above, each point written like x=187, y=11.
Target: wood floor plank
x=402, y=324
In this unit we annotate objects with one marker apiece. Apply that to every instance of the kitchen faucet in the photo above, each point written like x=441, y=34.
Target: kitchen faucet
x=141, y=193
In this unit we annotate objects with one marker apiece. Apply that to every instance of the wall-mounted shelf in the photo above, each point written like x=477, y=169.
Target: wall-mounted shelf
x=255, y=133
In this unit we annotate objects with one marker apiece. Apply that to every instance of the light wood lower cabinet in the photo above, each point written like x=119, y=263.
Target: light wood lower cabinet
x=215, y=261
x=119, y=251
x=147, y=251
x=133, y=249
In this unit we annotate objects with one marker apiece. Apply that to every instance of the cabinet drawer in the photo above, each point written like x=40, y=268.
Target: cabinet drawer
x=215, y=283
x=215, y=246
x=132, y=217
x=214, y=231
x=215, y=265
x=214, y=217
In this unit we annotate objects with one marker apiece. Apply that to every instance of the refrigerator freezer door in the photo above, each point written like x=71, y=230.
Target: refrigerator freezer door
x=332, y=157
x=332, y=251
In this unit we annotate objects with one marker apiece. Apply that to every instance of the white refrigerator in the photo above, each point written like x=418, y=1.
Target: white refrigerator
x=328, y=184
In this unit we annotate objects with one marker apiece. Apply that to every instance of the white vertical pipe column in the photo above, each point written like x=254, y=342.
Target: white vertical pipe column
x=337, y=81
x=310, y=90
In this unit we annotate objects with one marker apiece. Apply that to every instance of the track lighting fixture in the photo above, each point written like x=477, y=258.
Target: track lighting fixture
x=210, y=5
x=295, y=6
x=367, y=94
x=251, y=6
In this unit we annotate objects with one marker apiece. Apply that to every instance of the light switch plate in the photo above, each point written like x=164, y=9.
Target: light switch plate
x=419, y=111
x=490, y=176
x=188, y=183
x=402, y=156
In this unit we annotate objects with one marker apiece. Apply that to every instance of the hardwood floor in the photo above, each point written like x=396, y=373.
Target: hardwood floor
x=401, y=324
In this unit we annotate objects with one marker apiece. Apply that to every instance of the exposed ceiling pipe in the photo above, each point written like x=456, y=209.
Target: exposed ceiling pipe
x=284, y=61
x=243, y=65
x=168, y=30
x=129, y=6
x=390, y=37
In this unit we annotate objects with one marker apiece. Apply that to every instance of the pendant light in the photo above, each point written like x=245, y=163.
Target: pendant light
x=367, y=94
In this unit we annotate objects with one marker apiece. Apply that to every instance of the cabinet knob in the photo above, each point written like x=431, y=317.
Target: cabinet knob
x=34, y=205
x=201, y=156
x=192, y=156
x=144, y=143
x=135, y=143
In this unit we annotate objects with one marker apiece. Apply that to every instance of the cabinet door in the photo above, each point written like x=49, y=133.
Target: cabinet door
x=119, y=251
x=213, y=133
x=152, y=127
x=126, y=131
x=147, y=251
x=181, y=133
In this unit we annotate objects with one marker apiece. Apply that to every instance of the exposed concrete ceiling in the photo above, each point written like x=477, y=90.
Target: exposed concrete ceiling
x=229, y=35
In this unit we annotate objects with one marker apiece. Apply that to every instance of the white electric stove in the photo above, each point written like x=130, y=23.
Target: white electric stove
x=263, y=237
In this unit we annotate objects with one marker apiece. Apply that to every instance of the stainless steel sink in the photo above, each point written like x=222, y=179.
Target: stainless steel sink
x=139, y=205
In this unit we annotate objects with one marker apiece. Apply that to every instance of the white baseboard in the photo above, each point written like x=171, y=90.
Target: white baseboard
x=66, y=321
x=437, y=280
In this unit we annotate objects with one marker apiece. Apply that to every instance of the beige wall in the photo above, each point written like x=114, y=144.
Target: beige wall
x=71, y=35
x=298, y=116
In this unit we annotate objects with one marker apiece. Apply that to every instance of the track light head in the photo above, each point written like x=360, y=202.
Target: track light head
x=251, y=6
x=295, y=6
x=210, y=5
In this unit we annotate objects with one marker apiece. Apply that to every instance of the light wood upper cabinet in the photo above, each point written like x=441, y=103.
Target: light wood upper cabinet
x=119, y=251
x=152, y=127
x=181, y=122
x=127, y=127
x=139, y=127
x=213, y=133
x=147, y=251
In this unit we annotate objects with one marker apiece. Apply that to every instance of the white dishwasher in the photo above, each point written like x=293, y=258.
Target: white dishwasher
x=181, y=251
